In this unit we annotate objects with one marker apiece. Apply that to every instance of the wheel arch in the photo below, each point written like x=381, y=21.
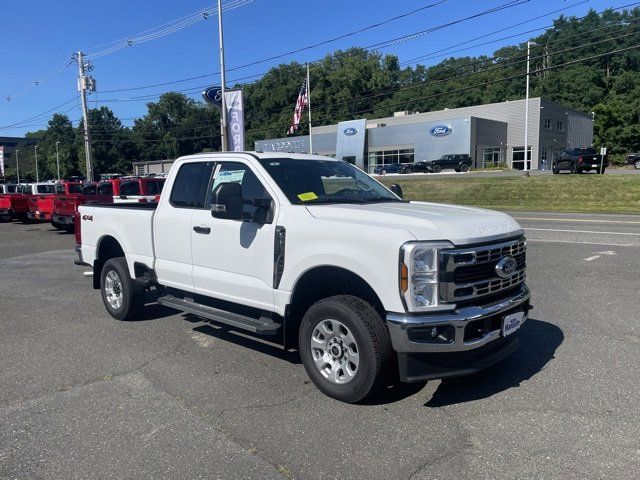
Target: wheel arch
x=108, y=247
x=322, y=282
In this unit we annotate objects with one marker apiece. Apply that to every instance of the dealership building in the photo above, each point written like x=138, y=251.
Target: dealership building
x=489, y=134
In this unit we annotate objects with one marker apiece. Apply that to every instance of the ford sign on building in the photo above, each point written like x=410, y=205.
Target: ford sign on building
x=440, y=130
x=489, y=134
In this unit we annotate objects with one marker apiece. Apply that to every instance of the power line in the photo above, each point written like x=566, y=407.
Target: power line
x=166, y=29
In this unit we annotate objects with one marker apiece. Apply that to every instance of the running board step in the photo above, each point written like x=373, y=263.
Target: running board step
x=262, y=325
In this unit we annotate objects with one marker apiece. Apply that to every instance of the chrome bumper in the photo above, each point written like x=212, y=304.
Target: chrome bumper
x=401, y=324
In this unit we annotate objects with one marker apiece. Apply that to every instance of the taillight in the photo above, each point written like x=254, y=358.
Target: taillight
x=142, y=200
x=580, y=160
x=78, y=229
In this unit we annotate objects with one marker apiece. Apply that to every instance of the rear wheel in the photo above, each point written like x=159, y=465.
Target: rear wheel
x=464, y=167
x=572, y=169
x=601, y=170
x=436, y=169
x=345, y=348
x=636, y=165
x=123, y=298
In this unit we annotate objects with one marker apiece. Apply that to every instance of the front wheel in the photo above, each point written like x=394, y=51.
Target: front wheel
x=123, y=298
x=436, y=169
x=601, y=170
x=345, y=348
x=636, y=165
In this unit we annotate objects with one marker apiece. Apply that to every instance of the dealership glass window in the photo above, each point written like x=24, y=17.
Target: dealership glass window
x=518, y=158
x=560, y=125
x=388, y=157
x=491, y=156
x=544, y=158
x=547, y=123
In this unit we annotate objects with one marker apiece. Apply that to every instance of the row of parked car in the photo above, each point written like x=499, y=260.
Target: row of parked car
x=58, y=202
x=457, y=162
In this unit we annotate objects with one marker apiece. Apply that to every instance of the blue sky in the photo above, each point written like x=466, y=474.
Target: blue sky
x=39, y=37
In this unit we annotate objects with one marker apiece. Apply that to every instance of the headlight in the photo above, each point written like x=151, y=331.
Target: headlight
x=419, y=274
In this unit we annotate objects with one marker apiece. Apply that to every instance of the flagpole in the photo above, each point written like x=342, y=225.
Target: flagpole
x=309, y=110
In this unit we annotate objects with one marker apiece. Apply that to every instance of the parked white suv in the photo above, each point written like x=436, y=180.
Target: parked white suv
x=312, y=253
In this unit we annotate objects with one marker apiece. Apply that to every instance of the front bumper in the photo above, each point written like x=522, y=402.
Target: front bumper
x=62, y=219
x=475, y=339
x=486, y=320
x=39, y=216
x=6, y=212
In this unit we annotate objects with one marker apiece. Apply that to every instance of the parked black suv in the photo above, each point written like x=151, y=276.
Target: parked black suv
x=460, y=162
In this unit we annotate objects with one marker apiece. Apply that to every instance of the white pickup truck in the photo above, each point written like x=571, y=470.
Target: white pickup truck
x=311, y=253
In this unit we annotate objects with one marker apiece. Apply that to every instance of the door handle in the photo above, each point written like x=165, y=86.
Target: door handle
x=203, y=230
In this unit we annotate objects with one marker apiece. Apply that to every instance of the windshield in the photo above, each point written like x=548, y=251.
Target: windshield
x=325, y=181
x=45, y=188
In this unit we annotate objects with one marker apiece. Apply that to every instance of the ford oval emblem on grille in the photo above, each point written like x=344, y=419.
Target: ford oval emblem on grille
x=506, y=266
x=350, y=131
x=440, y=130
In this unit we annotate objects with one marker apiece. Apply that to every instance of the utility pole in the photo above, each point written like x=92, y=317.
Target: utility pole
x=17, y=168
x=82, y=88
x=309, y=111
x=223, y=107
x=58, y=159
x=35, y=149
x=526, y=114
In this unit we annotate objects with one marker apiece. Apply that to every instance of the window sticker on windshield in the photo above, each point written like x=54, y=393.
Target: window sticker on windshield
x=305, y=197
x=230, y=176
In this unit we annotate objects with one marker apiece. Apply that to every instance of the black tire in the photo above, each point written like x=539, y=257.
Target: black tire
x=132, y=294
x=579, y=170
x=601, y=171
x=464, y=167
x=56, y=225
x=636, y=165
x=436, y=169
x=5, y=218
x=555, y=171
x=572, y=169
x=376, y=357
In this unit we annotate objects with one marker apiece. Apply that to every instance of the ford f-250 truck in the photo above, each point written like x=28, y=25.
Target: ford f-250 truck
x=314, y=254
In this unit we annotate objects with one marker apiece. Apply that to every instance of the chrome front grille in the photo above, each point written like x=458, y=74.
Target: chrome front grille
x=468, y=273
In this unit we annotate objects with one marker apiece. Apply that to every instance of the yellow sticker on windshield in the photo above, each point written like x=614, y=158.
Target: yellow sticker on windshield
x=305, y=197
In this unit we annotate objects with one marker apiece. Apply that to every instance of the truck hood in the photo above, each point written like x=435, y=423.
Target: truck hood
x=425, y=221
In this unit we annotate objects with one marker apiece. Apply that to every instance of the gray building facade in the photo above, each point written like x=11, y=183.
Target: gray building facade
x=490, y=134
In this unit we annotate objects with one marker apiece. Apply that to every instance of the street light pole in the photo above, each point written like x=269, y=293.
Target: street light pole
x=526, y=113
x=58, y=159
x=17, y=168
x=223, y=106
x=36, y=154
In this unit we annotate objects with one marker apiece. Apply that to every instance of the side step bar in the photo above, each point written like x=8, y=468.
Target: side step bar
x=262, y=325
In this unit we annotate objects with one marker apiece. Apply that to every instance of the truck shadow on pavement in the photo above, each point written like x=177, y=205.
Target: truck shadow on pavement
x=539, y=341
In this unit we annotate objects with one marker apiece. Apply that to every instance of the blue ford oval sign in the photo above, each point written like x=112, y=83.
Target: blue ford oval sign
x=213, y=95
x=350, y=131
x=440, y=130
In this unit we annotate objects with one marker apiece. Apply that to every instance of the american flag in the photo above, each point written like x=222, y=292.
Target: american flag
x=301, y=103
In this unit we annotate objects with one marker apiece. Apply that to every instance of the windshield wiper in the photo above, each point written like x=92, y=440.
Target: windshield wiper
x=318, y=201
x=383, y=199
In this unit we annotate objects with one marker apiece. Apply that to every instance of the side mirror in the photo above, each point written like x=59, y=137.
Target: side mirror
x=397, y=189
x=227, y=201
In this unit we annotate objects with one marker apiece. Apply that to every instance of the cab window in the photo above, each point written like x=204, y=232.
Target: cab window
x=130, y=188
x=105, y=188
x=252, y=188
x=190, y=186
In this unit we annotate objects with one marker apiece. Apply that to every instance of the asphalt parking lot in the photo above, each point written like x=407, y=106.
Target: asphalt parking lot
x=85, y=396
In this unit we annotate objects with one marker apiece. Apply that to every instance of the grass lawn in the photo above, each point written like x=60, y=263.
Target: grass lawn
x=555, y=193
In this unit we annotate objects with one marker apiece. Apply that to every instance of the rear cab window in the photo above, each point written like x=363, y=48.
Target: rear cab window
x=190, y=186
x=43, y=189
x=105, y=188
x=130, y=188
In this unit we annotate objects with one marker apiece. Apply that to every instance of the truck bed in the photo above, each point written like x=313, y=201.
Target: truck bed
x=131, y=225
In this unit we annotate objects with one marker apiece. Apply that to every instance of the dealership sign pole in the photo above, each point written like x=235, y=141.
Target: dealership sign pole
x=223, y=122
x=309, y=111
x=526, y=114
